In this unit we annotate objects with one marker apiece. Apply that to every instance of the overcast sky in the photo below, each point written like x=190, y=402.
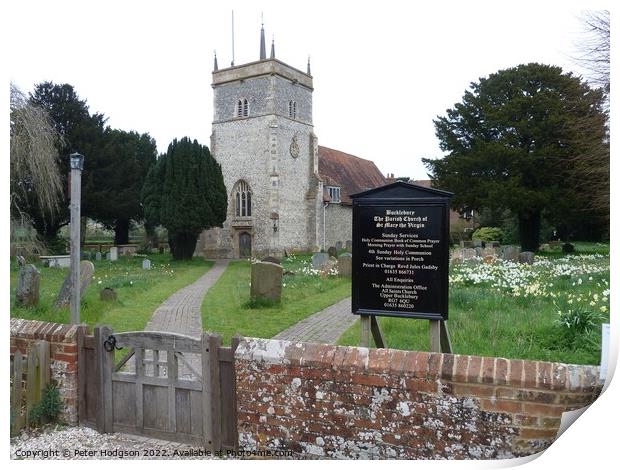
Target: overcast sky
x=382, y=70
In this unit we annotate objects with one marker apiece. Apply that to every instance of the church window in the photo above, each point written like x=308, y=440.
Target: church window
x=243, y=107
x=334, y=193
x=292, y=109
x=243, y=200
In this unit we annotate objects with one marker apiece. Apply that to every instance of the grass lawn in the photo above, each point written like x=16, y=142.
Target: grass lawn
x=512, y=310
x=139, y=291
x=226, y=308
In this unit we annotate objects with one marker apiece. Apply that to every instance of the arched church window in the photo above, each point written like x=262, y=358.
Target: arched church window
x=243, y=200
x=292, y=109
x=243, y=107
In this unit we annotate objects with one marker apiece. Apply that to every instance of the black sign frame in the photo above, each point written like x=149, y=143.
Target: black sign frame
x=400, y=196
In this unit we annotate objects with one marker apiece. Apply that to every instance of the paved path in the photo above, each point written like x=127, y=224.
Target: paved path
x=325, y=326
x=181, y=313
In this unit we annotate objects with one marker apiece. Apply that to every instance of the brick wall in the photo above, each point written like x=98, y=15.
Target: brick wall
x=324, y=401
x=63, y=356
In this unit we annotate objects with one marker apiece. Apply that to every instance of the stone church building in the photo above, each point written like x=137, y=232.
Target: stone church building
x=285, y=191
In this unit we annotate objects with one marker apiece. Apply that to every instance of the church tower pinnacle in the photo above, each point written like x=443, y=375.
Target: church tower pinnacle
x=263, y=52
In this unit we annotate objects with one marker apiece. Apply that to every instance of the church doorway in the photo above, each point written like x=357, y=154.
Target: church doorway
x=245, y=245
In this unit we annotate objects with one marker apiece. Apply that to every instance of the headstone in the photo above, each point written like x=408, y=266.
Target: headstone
x=332, y=251
x=526, y=257
x=87, y=269
x=349, y=245
x=266, y=281
x=478, y=250
x=493, y=244
x=545, y=247
x=468, y=244
x=27, y=292
x=338, y=245
x=345, y=265
x=108, y=295
x=108, y=256
x=319, y=260
x=511, y=253
x=468, y=253
x=488, y=251
x=271, y=259
x=146, y=264
x=113, y=253
x=477, y=243
x=98, y=256
x=21, y=260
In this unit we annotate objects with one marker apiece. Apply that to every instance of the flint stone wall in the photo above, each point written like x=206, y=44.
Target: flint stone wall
x=325, y=401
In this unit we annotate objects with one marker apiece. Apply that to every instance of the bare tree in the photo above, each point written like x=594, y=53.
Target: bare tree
x=34, y=172
x=594, y=48
x=34, y=156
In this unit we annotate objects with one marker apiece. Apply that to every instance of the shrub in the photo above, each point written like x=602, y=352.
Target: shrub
x=488, y=234
x=48, y=408
x=568, y=248
x=578, y=324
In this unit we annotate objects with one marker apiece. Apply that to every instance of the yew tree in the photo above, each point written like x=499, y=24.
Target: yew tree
x=185, y=192
x=513, y=142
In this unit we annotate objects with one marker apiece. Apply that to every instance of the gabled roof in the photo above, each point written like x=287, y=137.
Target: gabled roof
x=403, y=190
x=351, y=173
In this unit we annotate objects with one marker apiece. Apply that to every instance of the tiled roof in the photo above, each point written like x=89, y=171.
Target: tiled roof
x=351, y=173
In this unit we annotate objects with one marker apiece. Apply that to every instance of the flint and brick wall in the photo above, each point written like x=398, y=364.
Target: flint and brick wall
x=324, y=401
x=63, y=356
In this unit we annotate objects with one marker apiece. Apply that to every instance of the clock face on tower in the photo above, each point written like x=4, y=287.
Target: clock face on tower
x=294, y=147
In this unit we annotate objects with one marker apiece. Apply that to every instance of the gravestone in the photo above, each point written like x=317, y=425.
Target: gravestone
x=488, y=251
x=87, y=269
x=113, y=253
x=319, y=260
x=108, y=256
x=545, y=247
x=21, y=260
x=468, y=244
x=493, y=244
x=349, y=245
x=526, y=257
x=332, y=251
x=345, y=265
x=271, y=259
x=108, y=295
x=338, y=245
x=146, y=264
x=27, y=292
x=468, y=253
x=266, y=281
x=511, y=253
x=477, y=243
x=98, y=256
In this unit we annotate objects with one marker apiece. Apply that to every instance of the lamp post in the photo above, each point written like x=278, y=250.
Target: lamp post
x=77, y=165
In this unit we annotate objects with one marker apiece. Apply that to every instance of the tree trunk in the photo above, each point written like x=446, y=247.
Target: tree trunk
x=121, y=232
x=151, y=236
x=529, y=231
x=182, y=245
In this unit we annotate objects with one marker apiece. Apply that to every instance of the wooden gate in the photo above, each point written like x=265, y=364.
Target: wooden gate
x=165, y=385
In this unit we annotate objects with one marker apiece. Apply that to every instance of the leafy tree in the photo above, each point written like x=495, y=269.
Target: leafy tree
x=185, y=193
x=114, y=188
x=80, y=132
x=511, y=144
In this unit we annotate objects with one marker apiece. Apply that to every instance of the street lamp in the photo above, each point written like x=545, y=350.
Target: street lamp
x=76, y=162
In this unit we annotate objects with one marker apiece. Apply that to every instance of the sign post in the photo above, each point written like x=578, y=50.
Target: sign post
x=77, y=165
x=401, y=259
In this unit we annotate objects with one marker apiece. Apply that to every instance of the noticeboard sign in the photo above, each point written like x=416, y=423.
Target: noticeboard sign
x=401, y=252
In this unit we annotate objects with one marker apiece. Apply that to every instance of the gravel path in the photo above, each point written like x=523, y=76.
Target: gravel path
x=81, y=443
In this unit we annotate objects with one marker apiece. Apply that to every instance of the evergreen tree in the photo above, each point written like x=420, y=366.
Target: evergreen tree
x=512, y=144
x=114, y=190
x=185, y=193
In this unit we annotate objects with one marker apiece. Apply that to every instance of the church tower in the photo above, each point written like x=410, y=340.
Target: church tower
x=262, y=136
